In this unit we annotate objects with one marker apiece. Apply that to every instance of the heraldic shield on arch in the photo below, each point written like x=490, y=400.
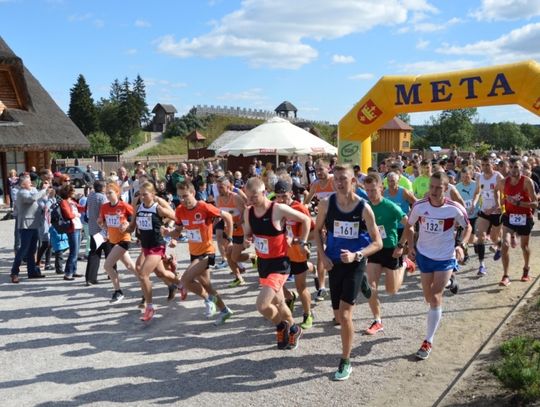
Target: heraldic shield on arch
x=517, y=83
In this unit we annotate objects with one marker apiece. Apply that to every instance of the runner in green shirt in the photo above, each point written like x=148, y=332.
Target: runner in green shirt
x=421, y=183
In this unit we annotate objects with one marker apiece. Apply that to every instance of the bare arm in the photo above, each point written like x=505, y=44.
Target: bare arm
x=456, y=197
x=310, y=195
x=227, y=219
x=409, y=197
x=319, y=227
x=285, y=211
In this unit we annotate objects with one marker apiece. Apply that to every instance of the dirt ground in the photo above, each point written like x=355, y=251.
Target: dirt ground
x=481, y=388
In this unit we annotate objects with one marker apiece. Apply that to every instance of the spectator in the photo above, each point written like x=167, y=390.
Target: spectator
x=71, y=210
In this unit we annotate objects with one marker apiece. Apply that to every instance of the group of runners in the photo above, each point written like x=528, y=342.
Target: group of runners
x=365, y=227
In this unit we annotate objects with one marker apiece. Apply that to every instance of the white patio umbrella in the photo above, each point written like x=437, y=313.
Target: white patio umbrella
x=277, y=136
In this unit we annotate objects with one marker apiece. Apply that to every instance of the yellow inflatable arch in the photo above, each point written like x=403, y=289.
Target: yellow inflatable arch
x=517, y=83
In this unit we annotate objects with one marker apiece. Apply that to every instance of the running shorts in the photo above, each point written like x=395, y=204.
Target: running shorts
x=385, y=259
x=521, y=230
x=427, y=265
x=154, y=251
x=298, y=267
x=210, y=256
x=274, y=280
x=494, y=219
x=345, y=280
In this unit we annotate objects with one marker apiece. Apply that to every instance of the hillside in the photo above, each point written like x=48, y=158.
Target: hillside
x=214, y=126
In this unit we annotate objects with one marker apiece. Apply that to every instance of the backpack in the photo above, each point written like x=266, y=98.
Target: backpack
x=58, y=221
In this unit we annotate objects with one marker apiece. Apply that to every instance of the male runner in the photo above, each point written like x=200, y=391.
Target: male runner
x=297, y=254
x=489, y=197
x=435, y=250
x=388, y=260
x=233, y=203
x=352, y=236
x=520, y=202
x=263, y=225
x=196, y=218
x=321, y=188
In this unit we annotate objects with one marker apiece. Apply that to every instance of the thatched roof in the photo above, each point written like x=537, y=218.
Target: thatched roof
x=167, y=108
x=286, y=107
x=42, y=125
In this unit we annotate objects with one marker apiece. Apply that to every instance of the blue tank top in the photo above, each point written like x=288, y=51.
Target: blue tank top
x=399, y=200
x=345, y=230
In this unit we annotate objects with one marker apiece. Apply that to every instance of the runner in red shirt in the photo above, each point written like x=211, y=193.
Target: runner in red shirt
x=263, y=226
x=195, y=218
x=519, y=202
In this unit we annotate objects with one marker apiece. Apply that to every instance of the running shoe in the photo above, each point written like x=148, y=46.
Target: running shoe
x=254, y=261
x=242, y=269
x=282, y=336
x=223, y=316
x=344, y=371
x=210, y=308
x=424, y=351
x=453, y=286
x=307, y=322
x=497, y=254
x=221, y=265
x=182, y=291
x=335, y=322
x=117, y=296
x=482, y=271
x=376, y=326
x=525, y=276
x=294, y=337
x=290, y=303
x=409, y=265
x=505, y=282
x=290, y=278
x=173, y=289
x=148, y=314
x=322, y=294
x=142, y=303
x=236, y=282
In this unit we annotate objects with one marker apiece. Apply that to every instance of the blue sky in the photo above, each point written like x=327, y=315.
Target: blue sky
x=321, y=55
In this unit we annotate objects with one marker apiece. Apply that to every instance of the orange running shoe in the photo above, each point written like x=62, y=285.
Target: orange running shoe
x=148, y=314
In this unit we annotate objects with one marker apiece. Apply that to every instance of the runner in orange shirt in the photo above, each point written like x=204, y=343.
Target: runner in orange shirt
x=321, y=188
x=195, y=218
x=297, y=254
x=233, y=203
x=115, y=216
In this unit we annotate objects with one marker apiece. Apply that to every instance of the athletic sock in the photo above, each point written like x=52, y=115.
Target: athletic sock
x=433, y=319
x=281, y=326
x=294, y=329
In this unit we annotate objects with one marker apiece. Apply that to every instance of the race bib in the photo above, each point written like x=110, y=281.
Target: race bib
x=433, y=226
x=518, y=219
x=261, y=245
x=488, y=195
x=468, y=204
x=194, y=235
x=382, y=231
x=144, y=222
x=112, y=221
x=346, y=230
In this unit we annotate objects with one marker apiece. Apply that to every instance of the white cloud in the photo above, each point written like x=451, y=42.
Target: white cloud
x=153, y=82
x=80, y=17
x=142, y=24
x=361, y=77
x=272, y=33
x=98, y=23
x=422, y=44
x=342, y=59
x=131, y=51
x=507, y=10
x=521, y=43
x=425, y=67
x=254, y=94
x=430, y=27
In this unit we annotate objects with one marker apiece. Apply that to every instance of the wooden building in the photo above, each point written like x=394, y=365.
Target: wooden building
x=393, y=137
x=31, y=123
x=163, y=116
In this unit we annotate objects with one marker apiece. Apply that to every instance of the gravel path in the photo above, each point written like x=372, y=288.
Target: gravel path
x=62, y=343
x=155, y=139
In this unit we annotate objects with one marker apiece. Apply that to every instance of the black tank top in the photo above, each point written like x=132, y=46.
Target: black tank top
x=149, y=224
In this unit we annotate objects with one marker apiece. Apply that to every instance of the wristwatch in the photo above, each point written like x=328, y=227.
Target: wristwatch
x=400, y=245
x=302, y=243
x=358, y=256
x=462, y=245
x=229, y=239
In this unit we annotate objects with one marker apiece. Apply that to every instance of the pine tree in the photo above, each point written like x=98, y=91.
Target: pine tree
x=81, y=107
x=139, y=94
x=127, y=116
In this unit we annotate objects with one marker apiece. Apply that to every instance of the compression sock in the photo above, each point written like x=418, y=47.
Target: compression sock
x=433, y=319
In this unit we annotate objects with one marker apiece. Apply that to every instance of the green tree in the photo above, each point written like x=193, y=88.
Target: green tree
x=452, y=127
x=406, y=117
x=531, y=133
x=128, y=116
x=100, y=143
x=107, y=112
x=507, y=136
x=81, y=107
x=139, y=95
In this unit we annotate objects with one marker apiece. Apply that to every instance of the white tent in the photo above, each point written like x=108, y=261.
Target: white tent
x=277, y=136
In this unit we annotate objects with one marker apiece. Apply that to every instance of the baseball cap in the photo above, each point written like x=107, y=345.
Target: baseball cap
x=282, y=187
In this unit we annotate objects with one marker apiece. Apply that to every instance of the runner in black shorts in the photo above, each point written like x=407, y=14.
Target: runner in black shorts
x=352, y=235
x=388, y=260
x=520, y=203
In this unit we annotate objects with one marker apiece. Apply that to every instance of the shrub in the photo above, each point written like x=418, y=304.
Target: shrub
x=520, y=368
